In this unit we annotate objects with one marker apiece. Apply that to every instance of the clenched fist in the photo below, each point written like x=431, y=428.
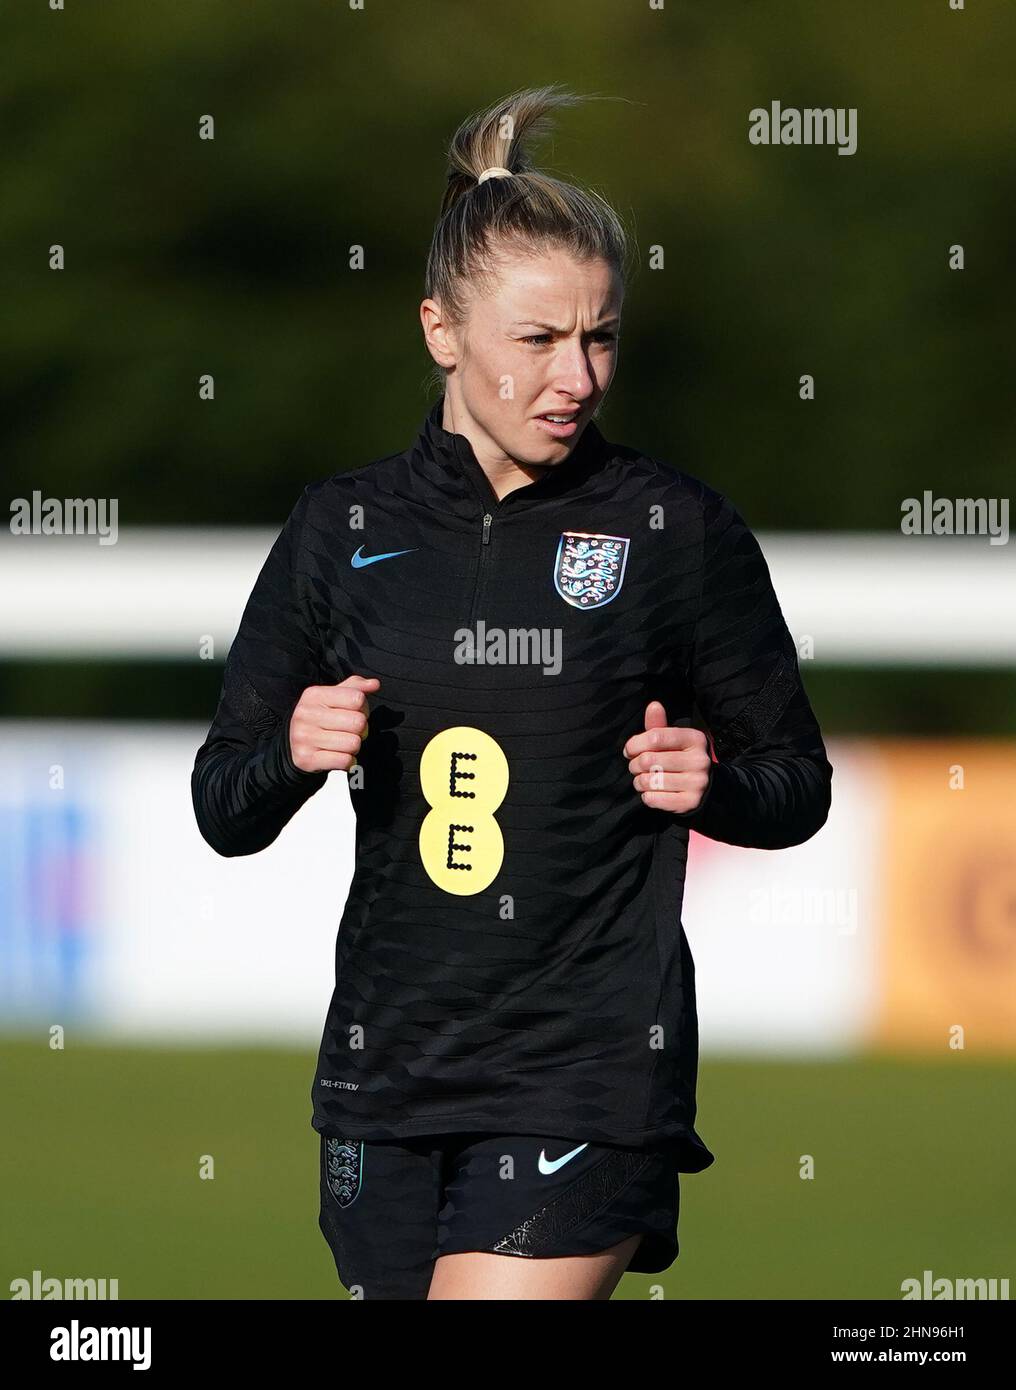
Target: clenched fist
x=670, y=766
x=329, y=724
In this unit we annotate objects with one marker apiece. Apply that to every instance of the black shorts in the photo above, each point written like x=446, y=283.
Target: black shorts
x=390, y=1209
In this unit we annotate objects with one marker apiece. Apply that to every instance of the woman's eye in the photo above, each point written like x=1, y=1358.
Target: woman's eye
x=537, y=339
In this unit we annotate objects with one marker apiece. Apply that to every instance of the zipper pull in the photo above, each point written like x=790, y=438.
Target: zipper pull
x=486, y=527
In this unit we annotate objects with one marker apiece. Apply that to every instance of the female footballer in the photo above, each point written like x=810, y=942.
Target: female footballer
x=507, y=635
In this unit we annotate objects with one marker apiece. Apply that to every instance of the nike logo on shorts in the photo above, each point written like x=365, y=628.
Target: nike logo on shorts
x=547, y=1165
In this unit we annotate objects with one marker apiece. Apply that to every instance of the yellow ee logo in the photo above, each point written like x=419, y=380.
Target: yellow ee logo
x=464, y=777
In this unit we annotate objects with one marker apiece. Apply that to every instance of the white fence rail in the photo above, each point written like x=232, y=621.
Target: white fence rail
x=859, y=598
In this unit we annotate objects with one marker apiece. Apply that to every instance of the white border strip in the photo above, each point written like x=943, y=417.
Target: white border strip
x=156, y=593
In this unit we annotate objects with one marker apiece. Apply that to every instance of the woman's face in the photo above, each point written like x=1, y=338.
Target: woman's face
x=541, y=339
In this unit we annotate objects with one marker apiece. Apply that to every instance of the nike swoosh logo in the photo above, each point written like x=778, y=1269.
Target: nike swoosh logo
x=358, y=561
x=547, y=1165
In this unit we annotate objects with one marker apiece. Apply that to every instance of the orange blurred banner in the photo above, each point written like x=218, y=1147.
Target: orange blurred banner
x=948, y=934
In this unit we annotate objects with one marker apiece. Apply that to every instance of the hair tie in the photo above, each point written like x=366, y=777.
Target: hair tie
x=496, y=172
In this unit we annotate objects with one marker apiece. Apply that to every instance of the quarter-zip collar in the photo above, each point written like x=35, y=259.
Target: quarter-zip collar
x=453, y=454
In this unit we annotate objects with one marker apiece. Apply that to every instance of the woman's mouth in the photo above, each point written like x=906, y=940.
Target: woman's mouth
x=560, y=425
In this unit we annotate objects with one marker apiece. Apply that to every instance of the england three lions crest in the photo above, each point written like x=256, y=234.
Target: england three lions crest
x=344, y=1169
x=589, y=569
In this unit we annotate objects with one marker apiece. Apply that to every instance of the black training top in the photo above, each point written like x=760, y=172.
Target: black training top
x=511, y=956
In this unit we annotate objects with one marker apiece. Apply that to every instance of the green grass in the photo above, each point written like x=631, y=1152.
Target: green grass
x=99, y=1166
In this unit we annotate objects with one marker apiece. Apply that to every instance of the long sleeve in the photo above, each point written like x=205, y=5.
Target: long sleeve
x=245, y=786
x=771, y=785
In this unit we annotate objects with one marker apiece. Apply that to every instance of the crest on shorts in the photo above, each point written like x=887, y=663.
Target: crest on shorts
x=344, y=1169
x=589, y=569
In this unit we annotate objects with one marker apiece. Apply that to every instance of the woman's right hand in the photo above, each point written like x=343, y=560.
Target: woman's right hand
x=329, y=723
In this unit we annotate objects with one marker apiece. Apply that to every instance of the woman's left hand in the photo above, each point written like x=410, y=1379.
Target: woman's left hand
x=670, y=767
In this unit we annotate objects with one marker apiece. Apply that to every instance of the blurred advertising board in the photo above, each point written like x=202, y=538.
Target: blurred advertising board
x=891, y=926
